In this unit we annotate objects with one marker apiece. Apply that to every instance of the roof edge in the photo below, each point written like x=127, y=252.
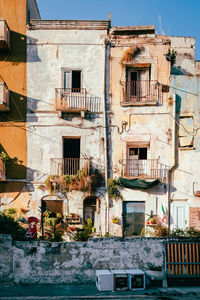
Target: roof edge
x=36, y=24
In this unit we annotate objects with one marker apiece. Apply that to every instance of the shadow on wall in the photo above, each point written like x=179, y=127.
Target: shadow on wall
x=177, y=70
x=14, y=168
x=17, y=53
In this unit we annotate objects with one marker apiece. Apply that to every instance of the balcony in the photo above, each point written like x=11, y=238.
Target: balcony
x=144, y=169
x=76, y=100
x=2, y=170
x=69, y=166
x=4, y=97
x=4, y=35
x=142, y=92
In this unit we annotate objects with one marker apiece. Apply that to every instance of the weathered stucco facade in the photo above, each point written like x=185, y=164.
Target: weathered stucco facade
x=57, y=53
x=86, y=99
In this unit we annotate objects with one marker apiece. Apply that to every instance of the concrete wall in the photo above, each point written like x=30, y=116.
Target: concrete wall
x=43, y=262
x=185, y=181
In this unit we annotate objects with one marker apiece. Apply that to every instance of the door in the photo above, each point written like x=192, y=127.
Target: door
x=133, y=218
x=71, y=155
x=180, y=214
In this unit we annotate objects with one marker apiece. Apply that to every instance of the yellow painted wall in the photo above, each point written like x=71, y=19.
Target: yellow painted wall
x=13, y=72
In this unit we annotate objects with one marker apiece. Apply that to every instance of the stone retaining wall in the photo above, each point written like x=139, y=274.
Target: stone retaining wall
x=74, y=262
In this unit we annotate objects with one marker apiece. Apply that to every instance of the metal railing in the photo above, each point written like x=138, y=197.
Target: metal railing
x=69, y=166
x=2, y=170
x=4, y=97
x=76, y=100
x=142, y=92
x=4, y=35
x=144, y=168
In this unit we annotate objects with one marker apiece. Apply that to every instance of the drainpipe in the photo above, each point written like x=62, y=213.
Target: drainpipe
x=174, y=165
x=106, y=72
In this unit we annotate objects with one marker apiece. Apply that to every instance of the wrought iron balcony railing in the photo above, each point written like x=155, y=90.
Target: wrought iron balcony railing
x=144, y=168
x=2, y=170
x=142, y=92
x=4, y=97
x=4, y=35
x=69, y=166
x=76, y=100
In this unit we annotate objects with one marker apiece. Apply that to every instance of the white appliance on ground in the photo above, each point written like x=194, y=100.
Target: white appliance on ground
x=120, y=278
x=104, y=280
x=136, y=279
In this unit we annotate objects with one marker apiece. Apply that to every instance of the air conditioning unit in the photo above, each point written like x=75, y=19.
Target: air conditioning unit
x=104, y=280
x=120, y=280
x=136, y=279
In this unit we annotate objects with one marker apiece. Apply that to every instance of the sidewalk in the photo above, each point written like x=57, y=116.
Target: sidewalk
x=90, y=292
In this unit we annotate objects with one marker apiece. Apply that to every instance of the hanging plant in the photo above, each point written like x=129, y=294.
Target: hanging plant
x=112, y=189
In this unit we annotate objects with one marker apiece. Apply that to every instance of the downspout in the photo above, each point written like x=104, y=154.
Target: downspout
x=107, y=46
x=172, y=168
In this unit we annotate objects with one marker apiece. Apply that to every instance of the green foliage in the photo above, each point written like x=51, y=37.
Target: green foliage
x=154, y=268
x=4, y=156
x=171, y=56
x=53, y=226
x=190, y=232
x=9, y=226
x=85, y=233
x=10, y=211
x=113, y=191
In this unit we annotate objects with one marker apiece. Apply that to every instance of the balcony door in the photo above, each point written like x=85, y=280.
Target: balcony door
x=137, y=83
x=136, y=161
x=71, y=155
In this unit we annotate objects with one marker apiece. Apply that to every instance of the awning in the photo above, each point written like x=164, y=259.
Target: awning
x=137, y=183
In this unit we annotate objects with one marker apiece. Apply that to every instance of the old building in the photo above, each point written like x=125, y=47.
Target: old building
x=13, y=98
x=83, y=105
x=153, y=117
x=66, y=118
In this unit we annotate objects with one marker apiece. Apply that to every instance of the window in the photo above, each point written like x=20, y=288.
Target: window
x=137, y=83
x=138, y=153
x=71, y=79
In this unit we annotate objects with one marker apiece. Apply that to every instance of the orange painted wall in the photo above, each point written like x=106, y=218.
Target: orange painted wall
x=13, y=72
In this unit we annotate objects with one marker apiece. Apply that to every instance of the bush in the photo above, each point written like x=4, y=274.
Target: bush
x=9, y=226
x=85, y=233
x=190, y=232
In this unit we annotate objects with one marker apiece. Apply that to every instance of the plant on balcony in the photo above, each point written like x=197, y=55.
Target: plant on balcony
x=112, y=189
x=82, y=181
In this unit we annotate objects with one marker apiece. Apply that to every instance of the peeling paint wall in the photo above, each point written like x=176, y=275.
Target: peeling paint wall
x=43, y=262
x=186, y=176
x=48, y=52
x=146, y=125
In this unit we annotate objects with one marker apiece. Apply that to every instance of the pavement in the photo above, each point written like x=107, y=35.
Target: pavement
x=34, y=292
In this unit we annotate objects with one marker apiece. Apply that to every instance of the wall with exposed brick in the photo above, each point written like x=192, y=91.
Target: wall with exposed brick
x=195, y=217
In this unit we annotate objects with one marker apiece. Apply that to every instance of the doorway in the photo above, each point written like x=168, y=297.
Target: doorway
x=180, y=214
x=91, y=210
x=133, y=218
x=71, y=155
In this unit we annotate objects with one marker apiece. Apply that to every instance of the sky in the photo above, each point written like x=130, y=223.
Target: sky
x=170, y=17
